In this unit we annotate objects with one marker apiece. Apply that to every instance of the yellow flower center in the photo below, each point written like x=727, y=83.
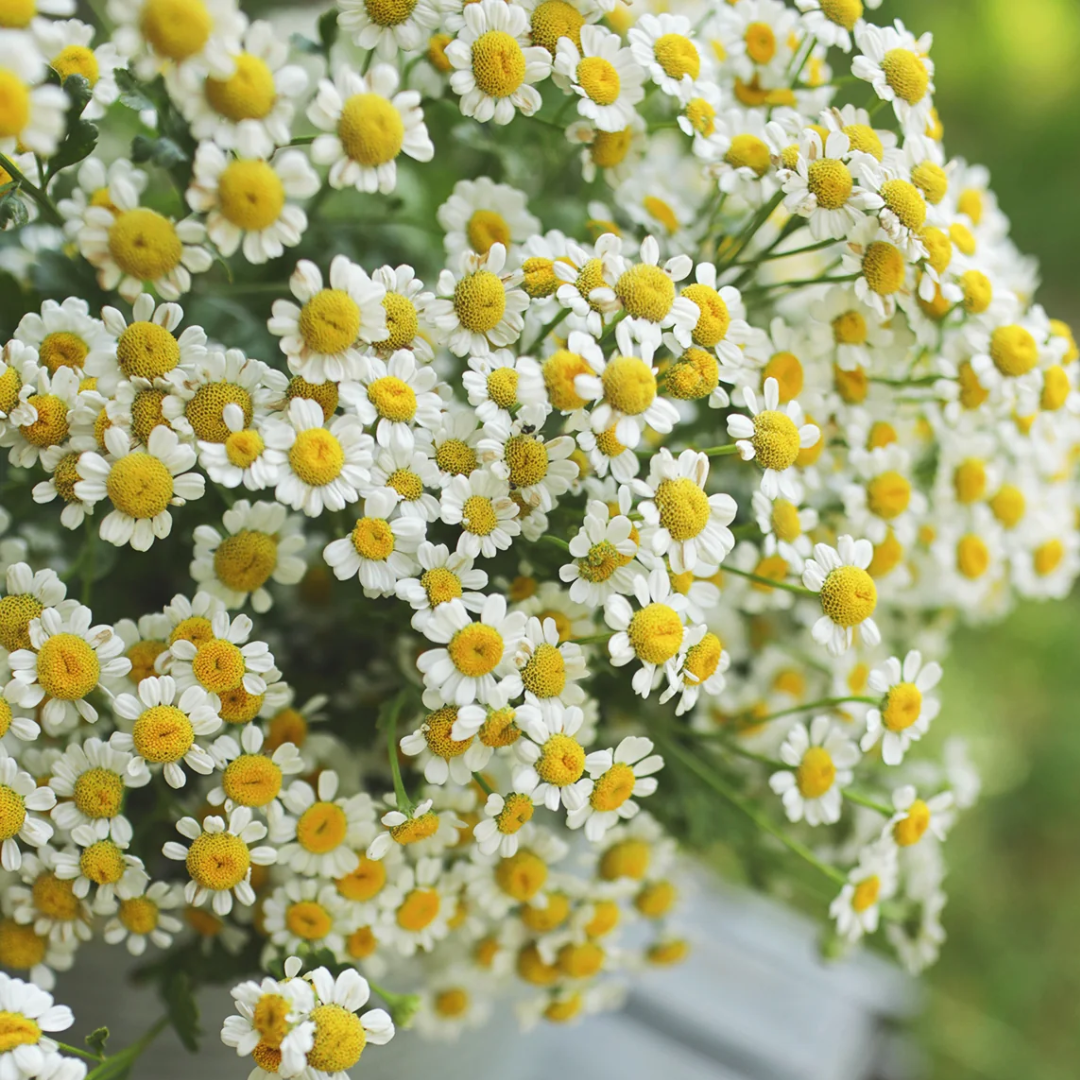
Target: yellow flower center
x=317, y=457
x=177, y=29
x=12, y=812
x=606, y=915
x=329, y=322
x=17, y=1030
x=308, y=920
x=714, y=320
x=437, y=728
x=62, y=349
x=760, y=42
x=866, y=893
x=436, y=53
x=646, y=292
x=666, y=953
x=972, y=392
x=909, y=830
x=849, y=328
x=500, y=729
x=487, y=227
x=67, y=667
x=16, y=14
x=102, y=863
x=476, y=650
x=883, y=267
x=20, y=950
x=361, y=943
x=339, y=1039
x=206, y=409
x=14, y=104
x=517, y=810
x=696, y=374
x=1013, y=350
x=195, y=629
x=629, y=384
x=267, y=1057
x=371, y=129
x=677, y=56
x=785, y=521
x=845, y=13
x=554, y=19
x=418, y=910
x=902, y=706
x=51, y=426
x=609, y=148
x=373, y=539
x=480, y=301
x=1047, y=557
x=775, y=440
x=365, y=882
x=322, y=828
x=416, y=829
x=325, y=393
x=969, y=481
x=147, y=351
x=142, y=655
x=626, y=859
x=393, y=399
x=144, y=243
x=962, y=238
x=522, y=875
x=904, y=200
x=138, y=915
x=830, y=182
x=683, y=506
x=270, y=1018
x=219, y=666
x=545, y=673
x=251, y=194
x=389, y=12
x=527, y=459
x=816, y=773
x=580, y=961
x=848, y=596
x=457, y=457
x=218, y=861
x=563, y=1009
x=703, y=659
x=99, y=793
x=702, y=116
x=401, y=322
x=162, y=734
x=560, y=369
x=498, y=64
x=906, y=74
x=748, y=152
x=656, y=899
x=251, y=780
x=931, y=180
x=656, y=633
x=245, y=561
x=613, y=788
x=888, y=494
x=10, y=384
x=562, y=760
x=248, y=94
x=240, y=707
x=76, y=60
x=865, y=138
x=451, y=1003
x=440, y=585
x=1008, y=505
x=787, y=370
x=599, y=79
x=478, y=515
x=972, y=557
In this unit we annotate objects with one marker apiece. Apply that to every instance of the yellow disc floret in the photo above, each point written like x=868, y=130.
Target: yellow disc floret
x=218, y=861
x=371, y=130
x=476, y=650
x=677, y=55
x=251, y=780
x=99, y=793
x=1013, y=350
x=848, y=596
x=545, y=673
x=775, y=440
x=522, y=875
x=816, y=773
x=906, y=75
x=317, y=457
x=656, y=633
x=51, y=426
x=830, y=182
x=251, y=194
x=177, y=29
x=498, y=64
x=67, y=667
x=140, y=485
x=480, y=301
x=330, y=321
x=322, y=827
x=646, y=292
x=902, y=706
x=247, y=94
x=629, y=385
x=144, y=243
x=102, y=863
x=684, y=508
x=561, y=761
x=162, y=734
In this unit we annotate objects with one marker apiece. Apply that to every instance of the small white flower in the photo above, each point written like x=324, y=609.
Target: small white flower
x=821, y=758
x=24, y=801
x=618, y=776
x=906, y=711
x=847, y=592
x=856, y=910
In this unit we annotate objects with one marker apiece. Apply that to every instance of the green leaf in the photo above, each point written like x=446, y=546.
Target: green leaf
x=97, y=1039
x=13, y=211
x=79, y=143
x=182, y=1008
x=163, y=151
x=78, y=89
x=328, y=29
x=305, y=45
x=132, y=92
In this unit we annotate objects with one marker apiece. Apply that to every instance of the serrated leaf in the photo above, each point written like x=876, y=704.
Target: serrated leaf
x=97, y=1039
x=78, y=89
x=328, y=29
x=13, y=211
x=182, y=1008
x=162, y=151
x=133, y=93
x=79, y=143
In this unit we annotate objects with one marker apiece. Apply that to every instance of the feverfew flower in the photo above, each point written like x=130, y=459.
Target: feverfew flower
x=821, y=758
x=22, y=803
x=847, y=592
x=905, y=713
x=856, y=910
x=618, y=776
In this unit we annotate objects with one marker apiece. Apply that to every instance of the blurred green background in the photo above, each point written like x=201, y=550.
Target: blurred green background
x=1004, y=1001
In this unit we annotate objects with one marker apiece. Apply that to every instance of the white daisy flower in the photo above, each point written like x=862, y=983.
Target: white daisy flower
x=481, y=504
x=387, y=27
x=253, y=455
x=480, y=213
x=898, y=66
x=704, y=666
x=832, y=23
x=32, y=1054
x=409, y=474
x=548, y=668
x=379, y=548
x=881, y=266
x=495, y=64
x=91, y=779
x=915, y=817
x=103, y=864
x=479, y=308
x=159, y=33
x=444, y=576
x=67, y=660
x=605, y=76
x=580, y=273
x=821, y=758
x=144, y=917
x=261, y=543
x=417, y=910
x=26, y=594
x=537, y=470
x=322, y=337
x=406, y=303
x=165, y=729
x=63, y=334
x=602, y=554
x=62, y=464
x=66, y=48
x=785, y=527
x=664, y=46
x=246, y=198
x=476, y=657
x=306, y=914
x=432, y=832
x=325, y=467
x=21, y=804
x=439, y=753
x=251, y=776
x=141, y=484
x=618, y=777
x=37, y=109
x=504, y=817
x=220, y=857
x=500, y=384
x=223, y=660
x=857, y=908
x=340, y=1035
x=42, y=415
x=369, y=125
x=325, y=832
x=906, y=710
x=847, y=592
x=855, y=336
x=775, y=436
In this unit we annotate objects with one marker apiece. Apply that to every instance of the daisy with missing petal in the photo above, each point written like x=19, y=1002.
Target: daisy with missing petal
x=603, y=555
x=481, y=504
x=340, y=1035
x=681, y=521
x=164, y=729
x=847, y=592
x=479, y=308
x=369, y=125
x=60, y=463
x=321, y=337
x=662, y=44
x=273, y=1024
x=618, y=777
x=34, y=113
x=92, y=779
x=66, y=661
x=326, y=831
x=898, y=66
x=857, y=908
x=775, y=437
x=250, y=776
x=141, y=484
x=325, y=467
x=246, y=198
x=655, y=634
x=66, y=47
x=605, y=76
x=495, y=64
x=504, y=817
x=703, y=669
x=143, y=917
x=406, y=303
x=480, y=213
x=421, y=825
x=146, y=348
x=906, y=710
x=261, y=543
x=475, y=657
x=394, y=396
x=380, y=547
x=21, y=803
x=220, y=857
x=821, y=758
x=388, y=26
x=442, y=756
x=444, y=576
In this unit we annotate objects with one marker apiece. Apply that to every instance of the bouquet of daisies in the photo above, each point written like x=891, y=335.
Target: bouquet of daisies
x=458, y=452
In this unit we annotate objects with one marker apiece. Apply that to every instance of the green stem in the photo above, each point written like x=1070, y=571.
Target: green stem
x=800, y=58
x=75, y=1050
x=539, y=339
x=752, y=812
x=771, y=253
x=303, y=140
x=798, y=590
x=404, y=803
x=557, y=541
x=594, y=639
x=35, y=193
x=799, y=282
x=118, y=1065
x=755, y=223
x=88, y=562
x=810, y=706
x=865, y=800
x=485, y=787
x=720, y=451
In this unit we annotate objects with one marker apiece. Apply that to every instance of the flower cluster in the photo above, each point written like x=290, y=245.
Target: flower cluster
x=597, y=412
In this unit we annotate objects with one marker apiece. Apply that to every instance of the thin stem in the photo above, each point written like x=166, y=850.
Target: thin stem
x=118, y=1065
x=865, y=800
x=800, y=59
x=404, y=803
x=755, y=223
x=756, y=816
x=720, y=451
x=75, y=1050
x=771, y=252
x=821, y=703
x=544, y=331
x=798, y=590
x=799, y=282
x=594, y=639
x=302, y=140
x=88, y=562
x=485, y=787
x=557, y=541
x=35, y=193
